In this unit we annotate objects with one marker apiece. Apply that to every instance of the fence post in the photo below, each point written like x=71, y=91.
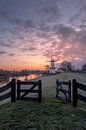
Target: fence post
x=74, y=93
x=13, y=90
x=18, y=89
x=69, y=88
x=40, y=90
x=57, y=87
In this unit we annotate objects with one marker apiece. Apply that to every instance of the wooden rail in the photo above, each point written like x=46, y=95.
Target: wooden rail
x=76, y=96
x=66, y=92
x=11, y=93
x=3, y=88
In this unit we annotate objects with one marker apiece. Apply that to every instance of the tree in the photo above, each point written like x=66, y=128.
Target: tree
x=67, y=66
x=84, y=67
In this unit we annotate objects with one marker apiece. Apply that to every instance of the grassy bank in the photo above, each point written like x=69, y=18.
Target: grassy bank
x=50, y=114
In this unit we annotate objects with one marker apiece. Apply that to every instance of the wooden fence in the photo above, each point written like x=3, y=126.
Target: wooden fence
x=12, y=94
x=36, y=87
x=76, y=95
x=31, y=89
x=66, y=91
x=13, y=90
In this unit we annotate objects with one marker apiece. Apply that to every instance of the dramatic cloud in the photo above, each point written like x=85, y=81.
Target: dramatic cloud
x=2, y=52
x=31, y=30
x=52, y=13
x=11, y=54
x=81, y=37
x=80, y=15
x=64, y=32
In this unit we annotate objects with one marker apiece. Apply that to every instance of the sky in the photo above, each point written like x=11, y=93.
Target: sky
x=30, y=30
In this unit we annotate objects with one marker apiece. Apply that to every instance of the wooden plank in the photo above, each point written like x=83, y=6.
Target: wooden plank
x=28, y=83
x=63, y=90
x=65, y=83
x=81, y=86
x=5, y=96
x=62, y=82
x=80, y=97
x=27, y=90
x=3, y=88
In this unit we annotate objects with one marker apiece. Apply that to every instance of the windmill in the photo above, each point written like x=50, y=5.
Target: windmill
x=52, y=68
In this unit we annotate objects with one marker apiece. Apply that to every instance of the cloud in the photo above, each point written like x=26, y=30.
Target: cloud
x=23, y=23
x=29, y=13
x=64, y=33
x=29, y=23
x=43, y=27
x=50, y=13
x=50, y=10
x=3, y=52
x=16, y=21
x=70, y=34
x=81, y=37
x=80, y=15
x=82, y=27
x=2, y=43
x=7, y=41
x=11, y=54
x=31, y=48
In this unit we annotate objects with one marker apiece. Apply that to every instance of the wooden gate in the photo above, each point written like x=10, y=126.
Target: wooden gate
x=63, y=90
x=32, y=87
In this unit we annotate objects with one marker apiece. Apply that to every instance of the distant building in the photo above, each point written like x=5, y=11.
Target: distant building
x=52, y=69
x=60, y=70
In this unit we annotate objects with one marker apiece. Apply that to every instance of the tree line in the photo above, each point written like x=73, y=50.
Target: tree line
x=68, y=66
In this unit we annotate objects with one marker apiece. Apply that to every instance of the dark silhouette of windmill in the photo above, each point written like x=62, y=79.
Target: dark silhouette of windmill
x=52, y=68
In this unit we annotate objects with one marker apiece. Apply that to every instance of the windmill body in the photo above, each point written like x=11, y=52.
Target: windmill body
x=52, y=67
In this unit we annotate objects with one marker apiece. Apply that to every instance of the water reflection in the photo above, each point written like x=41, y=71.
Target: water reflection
x=4, y=80
x=27, y=77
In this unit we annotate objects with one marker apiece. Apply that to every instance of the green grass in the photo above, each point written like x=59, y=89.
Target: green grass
x=50, y=114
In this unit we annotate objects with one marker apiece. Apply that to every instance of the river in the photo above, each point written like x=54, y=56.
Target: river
x=24, y=78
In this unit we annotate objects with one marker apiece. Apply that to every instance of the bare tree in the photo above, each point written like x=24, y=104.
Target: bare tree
x=84, y=67
x=67, y=66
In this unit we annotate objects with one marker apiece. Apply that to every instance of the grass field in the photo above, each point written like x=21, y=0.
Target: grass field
x=50, y=114
x=49, y=82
